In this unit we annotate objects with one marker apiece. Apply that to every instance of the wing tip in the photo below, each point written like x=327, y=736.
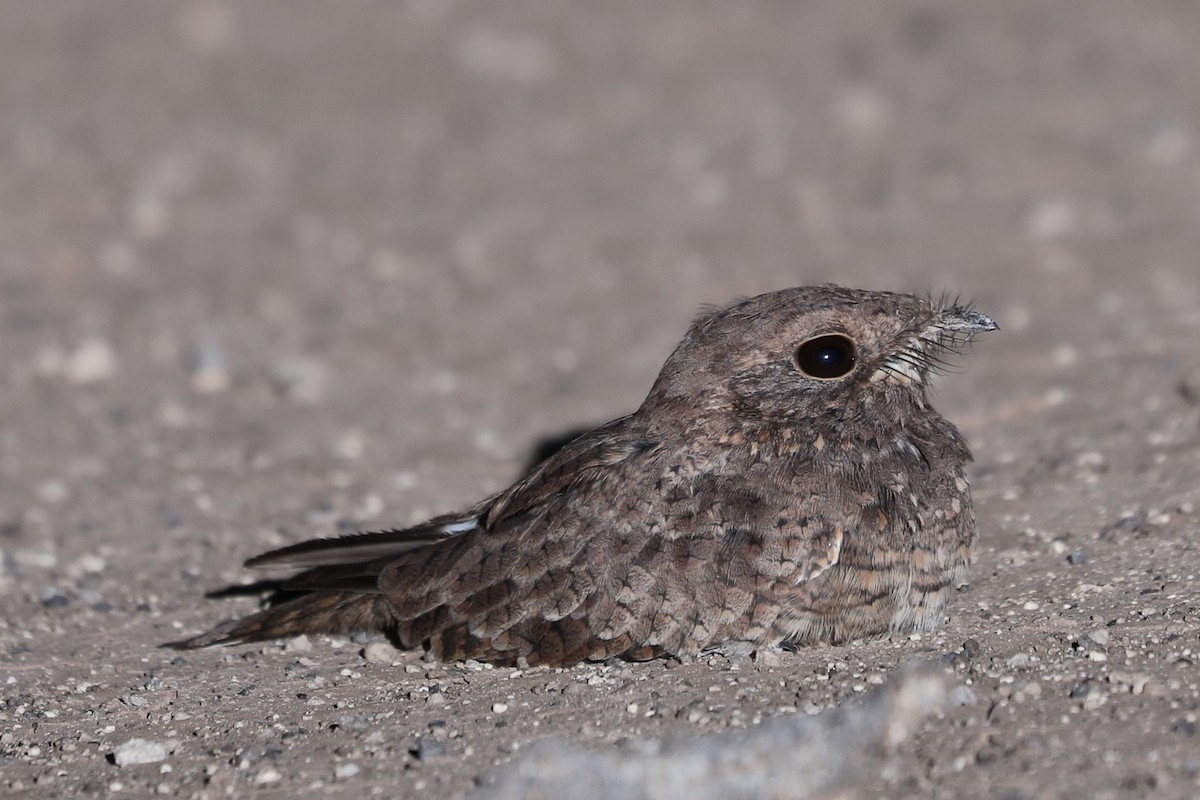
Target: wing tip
x=355, y=547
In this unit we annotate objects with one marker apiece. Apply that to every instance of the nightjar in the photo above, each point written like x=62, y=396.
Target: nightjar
x=785, y=482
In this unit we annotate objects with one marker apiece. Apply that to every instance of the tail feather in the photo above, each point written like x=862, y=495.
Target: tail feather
x=340, y=579
x=359, y=547
x=366, y=547
x=324, y=612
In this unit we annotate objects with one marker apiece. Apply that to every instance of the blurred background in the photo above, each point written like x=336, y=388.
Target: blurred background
x=285, y=268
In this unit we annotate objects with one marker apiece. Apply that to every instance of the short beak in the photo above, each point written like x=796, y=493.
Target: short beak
x=957, y=318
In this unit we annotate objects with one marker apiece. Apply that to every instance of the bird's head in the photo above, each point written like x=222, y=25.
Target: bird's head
x=801, y=352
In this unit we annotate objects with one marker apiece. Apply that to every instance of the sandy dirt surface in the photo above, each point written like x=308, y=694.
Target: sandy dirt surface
x=285, y=269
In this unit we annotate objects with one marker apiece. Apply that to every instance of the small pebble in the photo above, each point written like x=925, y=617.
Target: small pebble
x=210, y=372
x=298, y=644
x=963, y=695
x=52, y=597
x=90, y=565
x=268, y=775
x=347, y=770
x=39, y=559
x=379, y=653
x=499, y=708
x=53, y=491
x=500, y=55
x=94, y=360
x=1051, y=218
x=429, y=748
x=350, y=444
x=139, y=751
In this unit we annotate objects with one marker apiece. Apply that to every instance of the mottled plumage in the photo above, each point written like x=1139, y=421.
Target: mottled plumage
x=785, y=482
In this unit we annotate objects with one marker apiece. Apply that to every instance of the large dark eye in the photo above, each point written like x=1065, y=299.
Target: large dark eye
x=826, y=357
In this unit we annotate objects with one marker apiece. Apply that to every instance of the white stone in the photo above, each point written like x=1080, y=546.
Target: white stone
x=139, y=751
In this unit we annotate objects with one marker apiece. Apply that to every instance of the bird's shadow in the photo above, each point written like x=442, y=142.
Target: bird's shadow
x=548, y=445
x=272, y=585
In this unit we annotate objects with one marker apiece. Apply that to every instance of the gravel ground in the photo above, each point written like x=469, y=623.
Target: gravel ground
x=285, y=269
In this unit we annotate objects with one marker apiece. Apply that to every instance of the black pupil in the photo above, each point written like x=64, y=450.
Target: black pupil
x=826, y=357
